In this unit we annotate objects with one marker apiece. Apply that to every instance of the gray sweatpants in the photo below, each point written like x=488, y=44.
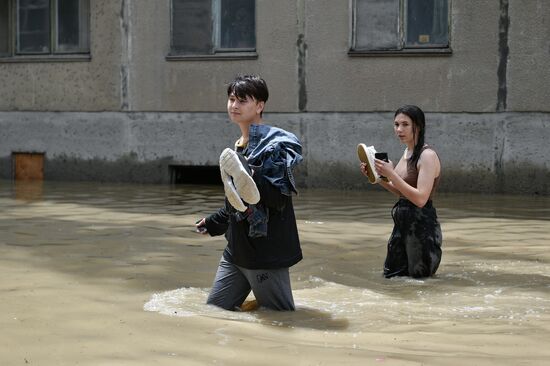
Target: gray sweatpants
x=232, y=284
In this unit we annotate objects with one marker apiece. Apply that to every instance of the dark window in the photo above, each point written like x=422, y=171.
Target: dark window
x=427, y=23
x=33, y=26
x=4, y=27
x=400, y=25
x=203, y=27
x=191, y=26
x=237, y=24
x=44, y=27
x=72, y=25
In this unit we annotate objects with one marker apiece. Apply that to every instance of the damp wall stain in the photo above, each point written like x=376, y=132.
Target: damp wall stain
x=494, y=153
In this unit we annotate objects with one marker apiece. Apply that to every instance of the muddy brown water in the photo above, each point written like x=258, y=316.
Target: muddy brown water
x=113, y=274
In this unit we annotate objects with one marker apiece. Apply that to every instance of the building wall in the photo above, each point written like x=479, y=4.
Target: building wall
x=130, y=40
x=528, y=66
x=199, y=85
x=129, y=112
x=93, y=85
x=464, y=81
x=481, y=152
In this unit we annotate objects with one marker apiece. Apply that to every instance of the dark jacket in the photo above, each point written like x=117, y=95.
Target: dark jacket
x=279, y=249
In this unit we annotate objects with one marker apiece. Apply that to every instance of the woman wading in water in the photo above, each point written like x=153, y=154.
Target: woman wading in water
x=414, y=247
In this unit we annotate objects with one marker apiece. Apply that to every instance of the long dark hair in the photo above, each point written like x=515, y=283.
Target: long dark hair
x=419, y=127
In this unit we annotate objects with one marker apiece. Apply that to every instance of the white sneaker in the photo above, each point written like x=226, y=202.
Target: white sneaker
x=242, y=182
x=366, y=155
x=231, y=192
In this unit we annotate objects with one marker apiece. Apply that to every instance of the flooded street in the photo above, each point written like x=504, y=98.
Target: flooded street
x=113, y=274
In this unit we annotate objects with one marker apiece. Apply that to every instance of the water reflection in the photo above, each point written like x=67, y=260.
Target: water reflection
x=28, y=190
x=138, y=239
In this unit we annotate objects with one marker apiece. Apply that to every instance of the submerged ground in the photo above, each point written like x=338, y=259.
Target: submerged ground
x=107, y=274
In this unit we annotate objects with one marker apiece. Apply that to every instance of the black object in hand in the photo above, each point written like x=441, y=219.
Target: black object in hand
x=200, y=229
x=382, y=156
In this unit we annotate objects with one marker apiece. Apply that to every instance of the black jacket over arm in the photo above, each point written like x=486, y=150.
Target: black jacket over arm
x=279, y=249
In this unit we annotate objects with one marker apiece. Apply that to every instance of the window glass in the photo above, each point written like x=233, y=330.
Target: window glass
x=427, y=23
x=376, y=24
x=4, y=26
x=204, y=27
x=192, y=26
x=33, y=26
x=72, y=25
x=398, y=25
x=237, y=24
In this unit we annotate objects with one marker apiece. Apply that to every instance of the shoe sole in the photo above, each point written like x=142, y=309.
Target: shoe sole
x=364, y=157
x=244, y=184
x=231, y=193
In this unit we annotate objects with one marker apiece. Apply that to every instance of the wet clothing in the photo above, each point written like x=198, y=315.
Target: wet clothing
x=414, y=247
x=280, y=248
x=273, y=153
x=232, y=285
x=263, y=242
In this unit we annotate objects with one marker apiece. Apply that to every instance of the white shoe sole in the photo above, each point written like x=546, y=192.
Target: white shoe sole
x=242, y=181
x=366, y=155
x=231, y=193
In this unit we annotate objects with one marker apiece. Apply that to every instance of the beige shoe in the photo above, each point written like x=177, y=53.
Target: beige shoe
x=366, y=155
x=249, y=305
x=242, y=182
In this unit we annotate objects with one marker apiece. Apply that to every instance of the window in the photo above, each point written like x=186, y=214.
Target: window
x=44, y=27
x=4, y=27
x=400, y=26
x=208, y=27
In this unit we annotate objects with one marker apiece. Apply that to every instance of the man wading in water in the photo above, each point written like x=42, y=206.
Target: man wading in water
x=258, y=216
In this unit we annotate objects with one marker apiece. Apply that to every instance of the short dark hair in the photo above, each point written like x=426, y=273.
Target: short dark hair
x=249, y=86
x=419, y=129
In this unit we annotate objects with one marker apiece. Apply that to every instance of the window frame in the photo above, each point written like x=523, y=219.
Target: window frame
x=54, y=54
x=217, y=52
x=403, y=49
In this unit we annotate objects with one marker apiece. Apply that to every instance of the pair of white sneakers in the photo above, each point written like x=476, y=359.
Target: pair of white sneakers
x=366, y=155
x=238, y=184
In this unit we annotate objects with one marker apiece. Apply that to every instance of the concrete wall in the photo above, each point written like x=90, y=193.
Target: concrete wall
x=157, y=84
x=464, y=81
x=113, y=146
x=94, y=85
x=489, y=152
x=302, y=52
x=528, y=65
x=314, y=35
x=128, y=111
